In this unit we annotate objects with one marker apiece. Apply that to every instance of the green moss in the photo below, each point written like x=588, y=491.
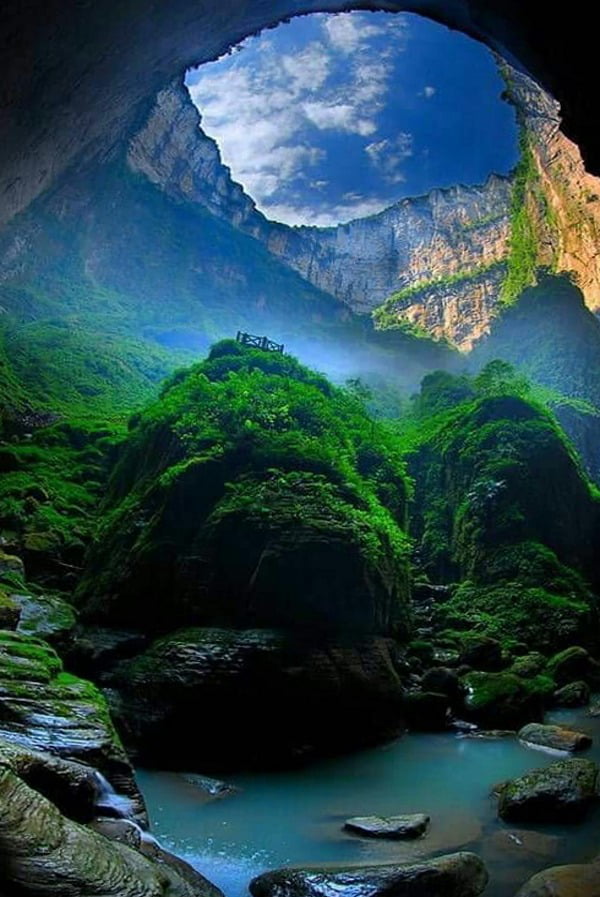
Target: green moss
x=25, y=658
x=487, y=689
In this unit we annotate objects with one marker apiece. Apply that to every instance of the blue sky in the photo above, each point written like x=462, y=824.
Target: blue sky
x=333, y=117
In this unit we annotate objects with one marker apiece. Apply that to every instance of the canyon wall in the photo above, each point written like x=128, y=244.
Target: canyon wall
x=445, y=261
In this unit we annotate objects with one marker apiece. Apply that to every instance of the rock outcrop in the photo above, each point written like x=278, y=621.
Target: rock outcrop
x=438, y=261
x=44, y=708
x=561, y=792
x=45, y=849
x=453, y=875
x=228, y=517
x=297, y=694
x=445, y=248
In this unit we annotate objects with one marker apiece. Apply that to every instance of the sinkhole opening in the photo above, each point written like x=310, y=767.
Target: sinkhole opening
x=332, y=117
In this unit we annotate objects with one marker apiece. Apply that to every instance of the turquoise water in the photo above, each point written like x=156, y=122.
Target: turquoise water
x=296, y=817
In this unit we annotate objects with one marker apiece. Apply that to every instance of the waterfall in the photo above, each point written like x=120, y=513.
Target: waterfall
x=109, y=803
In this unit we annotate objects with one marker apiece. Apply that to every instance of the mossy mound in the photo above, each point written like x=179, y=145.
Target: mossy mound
x=504, y=508
x=253, y=493
x=49, y=491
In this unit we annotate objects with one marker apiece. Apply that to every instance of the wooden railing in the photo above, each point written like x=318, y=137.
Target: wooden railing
x=258, y=342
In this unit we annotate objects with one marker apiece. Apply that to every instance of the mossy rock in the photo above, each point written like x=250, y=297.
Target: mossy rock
x=34, y=687
x=10, y=566
x=426, y=711
x=48, y=617
x=529, y=665
x=45, y=849
x=9, y=611
x=481, y=653
x=571, y=665
x=575, y=694
x=561, y=792
x=505, y=701
x=254, y=494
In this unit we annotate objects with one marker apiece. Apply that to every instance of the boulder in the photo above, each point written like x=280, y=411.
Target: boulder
x=580, y=880
x=44, y=708
x=503, y=700
x=96, y=648
x=47, y=617
x=10, y=566
x=44, y=853
x=298, y=694
x=571, y=665
x=528, y=665
x=482, y=653
x=426, y=711
x=558, y=738
x=454, y=875
x=394, y=827
x=575, y=694
x=443, y=681
x=561, y=792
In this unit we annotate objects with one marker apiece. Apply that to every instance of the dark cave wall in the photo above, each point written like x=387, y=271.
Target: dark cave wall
x=78, y=76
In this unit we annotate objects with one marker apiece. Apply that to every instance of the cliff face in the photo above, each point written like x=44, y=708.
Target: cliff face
x=418, y=241
x=445, y=261
x=563, y=197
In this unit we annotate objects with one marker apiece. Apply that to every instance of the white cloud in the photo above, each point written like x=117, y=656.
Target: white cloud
x=266, y=115
x=388, y=155
x=325, y=217
x=342, y=117
x=347, y=33
x=429, y=91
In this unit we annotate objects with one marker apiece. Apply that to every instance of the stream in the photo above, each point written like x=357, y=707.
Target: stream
x=296, y=817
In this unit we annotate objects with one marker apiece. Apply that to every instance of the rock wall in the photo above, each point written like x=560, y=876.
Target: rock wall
x=566, y=203
x=417, y=241
x=442, y=256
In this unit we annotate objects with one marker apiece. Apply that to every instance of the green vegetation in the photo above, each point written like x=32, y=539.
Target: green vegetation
x=270, y=482
x=523, y=246
x=482, y=452
x=554, y=340
x=49, y=493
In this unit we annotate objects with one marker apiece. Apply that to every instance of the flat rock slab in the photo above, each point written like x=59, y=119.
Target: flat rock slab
x=454, y=875
x=564, y=881
x=409, y=826
x=561, y=792
x=557, y=738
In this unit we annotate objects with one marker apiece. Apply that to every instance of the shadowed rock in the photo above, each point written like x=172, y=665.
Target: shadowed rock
x=581, y=880
x=453, y=875
x=43, y=853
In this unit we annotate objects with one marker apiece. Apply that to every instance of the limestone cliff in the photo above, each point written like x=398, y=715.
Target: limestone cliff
x=563, y=198
x=418, y=241
x=445, y=261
